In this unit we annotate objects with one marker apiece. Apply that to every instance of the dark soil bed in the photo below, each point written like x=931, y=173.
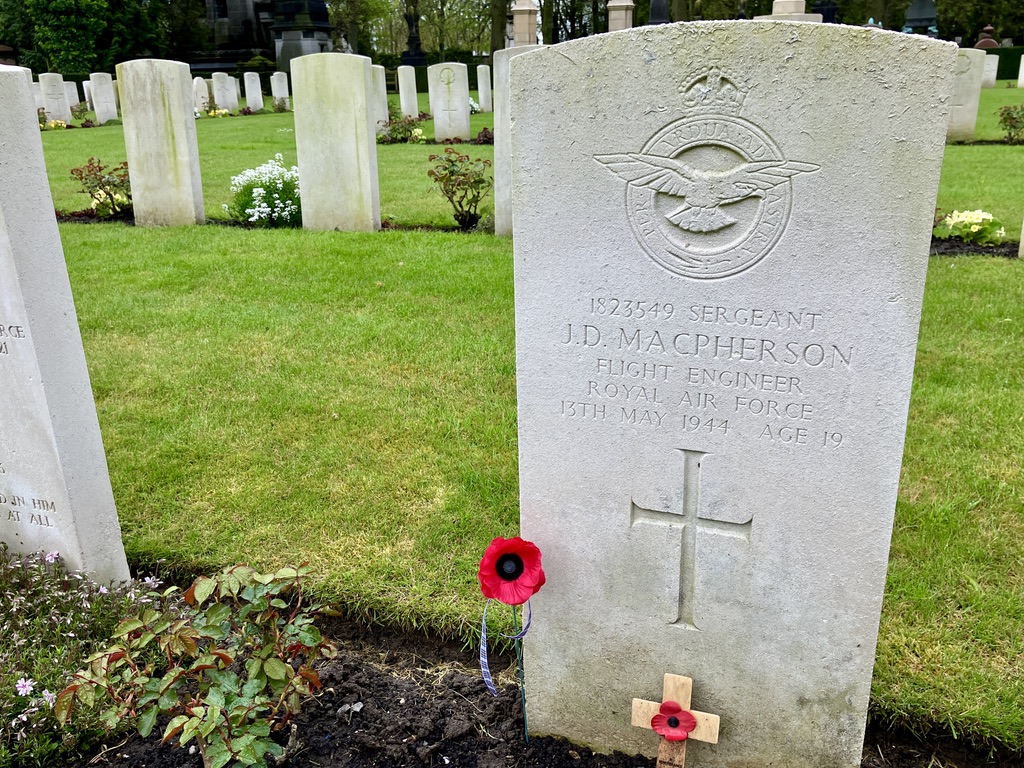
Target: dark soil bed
x=423, y=704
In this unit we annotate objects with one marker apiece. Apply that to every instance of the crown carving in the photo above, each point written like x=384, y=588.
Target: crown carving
x=712, y=91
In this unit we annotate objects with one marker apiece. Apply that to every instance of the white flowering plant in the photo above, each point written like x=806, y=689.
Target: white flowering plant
x=971, y=226
x=267, y=196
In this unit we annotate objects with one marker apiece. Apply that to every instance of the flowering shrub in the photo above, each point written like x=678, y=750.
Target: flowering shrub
x=218, y=113
x=1011, y=120
x=234, y=664
x=280, y=105
x=401, y=130
x=50, y=621
x=109, y=188
x=267, y=196
x=474, y=108
x=79, y=110
x=53, y=125
x=463, y=181
x=971, y=227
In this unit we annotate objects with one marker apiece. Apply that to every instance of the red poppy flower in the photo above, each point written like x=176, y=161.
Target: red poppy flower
x=673, y=722
x=510, y=571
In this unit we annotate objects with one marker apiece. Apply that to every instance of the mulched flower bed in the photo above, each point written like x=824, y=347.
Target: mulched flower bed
x=423, y=705
x=954, y=246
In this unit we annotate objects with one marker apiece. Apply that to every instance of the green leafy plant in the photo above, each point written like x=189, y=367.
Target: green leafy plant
x=267, y=196
x=109, y=188
x=229, y=662
x=971, y=227
x=464, y=182
x=401, y=130
x=280, y=105
x=79, y=111
x=1011, y=120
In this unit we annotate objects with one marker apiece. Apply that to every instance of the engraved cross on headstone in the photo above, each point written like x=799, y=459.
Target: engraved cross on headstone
x=686, y=517
x=449, y=109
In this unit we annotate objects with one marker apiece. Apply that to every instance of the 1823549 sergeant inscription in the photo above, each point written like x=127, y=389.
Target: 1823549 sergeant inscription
x=709, y=195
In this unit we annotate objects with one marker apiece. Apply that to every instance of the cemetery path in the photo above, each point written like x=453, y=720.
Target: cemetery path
x=423, y=704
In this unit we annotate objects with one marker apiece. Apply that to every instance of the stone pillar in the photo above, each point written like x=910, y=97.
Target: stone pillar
x=224, y=92
x=408, y=99
x=103, y=100
x=524, y=22
x=160, y=137
x=790, y=10
x=448, y=85
x=55, y=97
x=483, y=88
x=335, y=142
x=279, y=88
x=253, y=92
x=55, y=485
x=201, y=93
x=378, y=97
x=970, y=65
x=502, y=139
x=620, y=15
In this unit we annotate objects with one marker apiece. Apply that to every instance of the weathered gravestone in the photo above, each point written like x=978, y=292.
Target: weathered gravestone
x=719, y=269
x=503, y=138
x=279, y=88
x=54, y=488
x=335, y=142
x=201, y=92
x=224, y=92
x=55, y=97
x=253, y=91
x=1020, y=74
x=991, y=69
x=407, y=97
x=87, y=93
x=483, y=87
x=963, y=117
x=379, y=98
x=72, y=92
x=157, y=103
x=448, y=90
x=104, y=103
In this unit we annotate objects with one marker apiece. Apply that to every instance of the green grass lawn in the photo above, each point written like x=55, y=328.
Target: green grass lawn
x=349, y=400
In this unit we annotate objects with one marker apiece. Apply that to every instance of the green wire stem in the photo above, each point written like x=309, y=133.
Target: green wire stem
x=522, y=677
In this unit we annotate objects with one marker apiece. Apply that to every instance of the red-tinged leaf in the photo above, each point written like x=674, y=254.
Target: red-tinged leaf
x=174, y=727
x=310, y=677
x=190, y=597
x=62, y=707
x=224, y=656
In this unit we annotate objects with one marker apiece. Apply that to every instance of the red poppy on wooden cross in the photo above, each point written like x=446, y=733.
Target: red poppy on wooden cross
x=673, y=719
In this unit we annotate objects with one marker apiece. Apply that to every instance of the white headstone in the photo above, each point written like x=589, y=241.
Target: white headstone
x=408, y=99
x=970, y=64
x=55, y=491
x=717, y=307
x=503, y=139
x=117, y=94
x=224, y=92
x=253, y=92
x=55, y=97
x=379, y=97
x=335, y=142
x=201, y=92
x=160, y=138
x=483, y=87
x=103, y=98
x=1020, y=74
x=991, y=69
x=279, y=88
x=238, y=88
x=448, y=89
x=72, y=92
x=790, y=10
x=87, y=93
x=37, y=96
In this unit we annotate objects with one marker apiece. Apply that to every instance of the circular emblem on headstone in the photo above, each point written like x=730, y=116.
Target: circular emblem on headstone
x=447, y=76
x=709, y=195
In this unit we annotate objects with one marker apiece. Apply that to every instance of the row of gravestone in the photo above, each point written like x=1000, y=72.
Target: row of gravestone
x=721, y=242
x=975, y=70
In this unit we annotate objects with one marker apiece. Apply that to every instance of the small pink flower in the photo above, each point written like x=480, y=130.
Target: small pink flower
x=50, y=698
x=51, y=557
x=24, y=686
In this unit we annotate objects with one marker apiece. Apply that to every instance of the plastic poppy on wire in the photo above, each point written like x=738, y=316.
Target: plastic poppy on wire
x=673, y=722
x=511, y=573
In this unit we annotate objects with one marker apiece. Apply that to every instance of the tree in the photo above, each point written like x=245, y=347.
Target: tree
x=67, y=32
x=354, y=20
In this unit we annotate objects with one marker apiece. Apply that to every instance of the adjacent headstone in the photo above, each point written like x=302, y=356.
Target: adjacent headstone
x=103, y=97
x=55, y=97
x=279, y=88
x=448, y=89
x=160, y=138
x=408, y=99
x=620, y=15
x=524, y=23
x=1020, y=74
x=224, y=92
x=970, y=65
x=87, y=93
x=717, y=307
x=201, y=92
x=37, y=96
x=503, y=139
x=253, y=91
x=335, y=142
x=379, y=98
x=790, y=10
x=990, y=71
x=117, y=94
x=55, y=493
x=72, y=92
x=483, y=87
x=238, y=88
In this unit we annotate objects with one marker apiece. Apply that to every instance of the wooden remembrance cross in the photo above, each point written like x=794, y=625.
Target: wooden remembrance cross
x=689, y=521
x=672, y=754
